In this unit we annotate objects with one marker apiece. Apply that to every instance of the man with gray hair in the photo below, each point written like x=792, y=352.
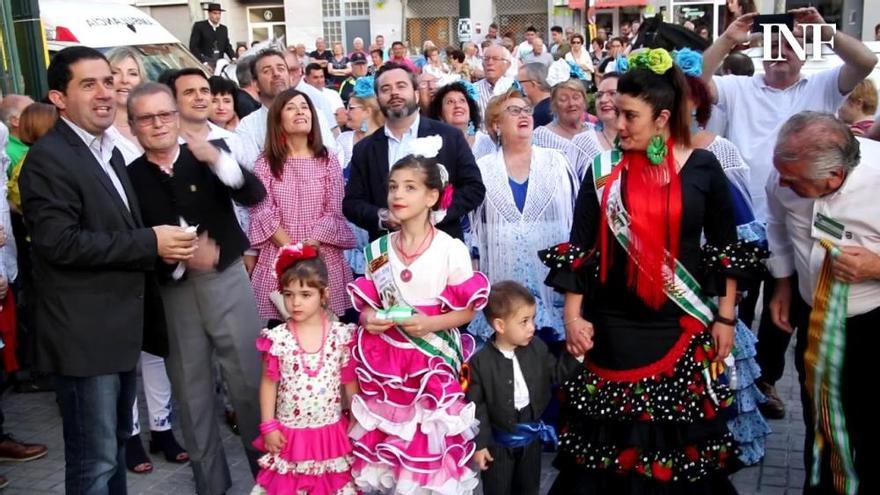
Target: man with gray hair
x=247, y=98
x=496, y=61
x=532, y=79
x=539, y=53
x=823, y=228
x=208, y=302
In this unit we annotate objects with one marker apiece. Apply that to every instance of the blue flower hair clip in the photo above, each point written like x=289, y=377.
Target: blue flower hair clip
x=621, y=64
x=577, y=72
x=689, y=61
x=363, y=87
x=471, y=90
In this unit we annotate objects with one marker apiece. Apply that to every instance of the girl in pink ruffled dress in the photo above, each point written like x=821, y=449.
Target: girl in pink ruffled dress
x=308, y=380
x=414, y=427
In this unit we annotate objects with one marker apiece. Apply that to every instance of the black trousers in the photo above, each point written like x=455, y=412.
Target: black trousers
x=773, y=341
x=858, y=383
x=514, y=471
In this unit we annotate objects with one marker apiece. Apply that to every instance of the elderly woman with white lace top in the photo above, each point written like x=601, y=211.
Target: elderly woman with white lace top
x=529, y=202
x=586, y=146
x=568, y=103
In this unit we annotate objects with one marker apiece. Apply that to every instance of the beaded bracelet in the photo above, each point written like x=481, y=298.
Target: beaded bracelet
x=267, y=427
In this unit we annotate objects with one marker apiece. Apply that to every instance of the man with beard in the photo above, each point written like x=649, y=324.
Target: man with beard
x=270, y=72
x=366, y=194
x=755, y=109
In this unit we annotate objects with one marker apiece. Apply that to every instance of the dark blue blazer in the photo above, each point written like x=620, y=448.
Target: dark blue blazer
x=367, y=189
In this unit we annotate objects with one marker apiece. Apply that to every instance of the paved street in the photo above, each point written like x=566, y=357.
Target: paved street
x=34, y=418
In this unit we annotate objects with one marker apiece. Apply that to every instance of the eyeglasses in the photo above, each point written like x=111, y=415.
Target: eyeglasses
x=494, y=59
x=523, y=81
x=516, y=111
x=164, y=117
x=577, y=42
x=600, y=94
x=427, y=84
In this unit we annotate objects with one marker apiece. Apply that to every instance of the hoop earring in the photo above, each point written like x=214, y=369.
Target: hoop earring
x=657, y=149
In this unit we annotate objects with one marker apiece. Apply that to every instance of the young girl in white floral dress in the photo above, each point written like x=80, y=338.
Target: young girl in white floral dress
x=307, y=382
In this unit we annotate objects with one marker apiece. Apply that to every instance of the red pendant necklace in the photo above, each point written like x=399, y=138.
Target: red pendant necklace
x=409, y=258
x=311, y=372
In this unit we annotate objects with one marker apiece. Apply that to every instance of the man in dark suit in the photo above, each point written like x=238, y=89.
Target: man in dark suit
x=209, y=39
x=97, y=302
x=366, y=195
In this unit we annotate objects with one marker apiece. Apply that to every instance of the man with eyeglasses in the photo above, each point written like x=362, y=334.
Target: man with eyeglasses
x=496, y=61
x=208, y=301
x=94, y=261
x=427, y=89
x=532, y=79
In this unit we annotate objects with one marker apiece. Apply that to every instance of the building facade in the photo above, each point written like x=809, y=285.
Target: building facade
x=414, y=21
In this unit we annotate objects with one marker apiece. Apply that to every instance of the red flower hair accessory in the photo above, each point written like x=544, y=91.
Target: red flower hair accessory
x=293, y=253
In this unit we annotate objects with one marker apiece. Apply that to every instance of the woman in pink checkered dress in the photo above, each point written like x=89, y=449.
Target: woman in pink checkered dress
x=303, y=203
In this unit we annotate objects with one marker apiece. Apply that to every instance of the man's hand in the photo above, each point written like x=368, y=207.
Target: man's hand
x=808, y=15
x=856, y=264
x=207, y=254
x=740, y=30
x=482, y=457
x=201, y=148
x=4, y=288
x=780, y=304
x=174, y=243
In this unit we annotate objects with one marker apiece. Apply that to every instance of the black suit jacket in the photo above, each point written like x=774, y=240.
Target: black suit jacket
x=491, y=386
x=196, y=194
x=204, y=40
x=367, y=189
x=97, y=301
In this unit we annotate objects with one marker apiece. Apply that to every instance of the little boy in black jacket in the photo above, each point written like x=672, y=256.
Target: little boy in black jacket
x=511, y=380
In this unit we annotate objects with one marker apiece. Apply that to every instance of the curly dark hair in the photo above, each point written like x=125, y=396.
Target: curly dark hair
x=435, y=110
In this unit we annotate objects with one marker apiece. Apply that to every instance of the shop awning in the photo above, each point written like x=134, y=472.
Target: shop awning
x=610, y=4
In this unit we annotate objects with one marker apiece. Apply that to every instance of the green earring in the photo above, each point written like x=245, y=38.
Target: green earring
x=657, y=149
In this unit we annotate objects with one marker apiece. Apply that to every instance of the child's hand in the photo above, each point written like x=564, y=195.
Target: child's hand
x=372, y=324
x=482, y=457
x=417, y=325
x=274, y=441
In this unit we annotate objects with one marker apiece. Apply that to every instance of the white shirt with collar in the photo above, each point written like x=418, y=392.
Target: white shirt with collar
x=755, y=112
x=521, y=396
x=794, y=237
x=101, y=148
x=399, y=148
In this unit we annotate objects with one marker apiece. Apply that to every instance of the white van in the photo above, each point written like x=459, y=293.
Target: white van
x=106, y=25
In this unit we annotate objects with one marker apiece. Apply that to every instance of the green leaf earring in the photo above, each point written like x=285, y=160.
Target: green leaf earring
x=657, y=149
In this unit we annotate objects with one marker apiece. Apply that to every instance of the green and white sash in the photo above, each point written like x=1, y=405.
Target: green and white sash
x=445, y=344
x=679, y=285
x=603, y=165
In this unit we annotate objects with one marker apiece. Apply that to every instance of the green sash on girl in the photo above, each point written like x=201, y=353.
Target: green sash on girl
x=445, y=344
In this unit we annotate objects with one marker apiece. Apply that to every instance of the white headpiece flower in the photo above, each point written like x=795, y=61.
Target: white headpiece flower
x=427, y=147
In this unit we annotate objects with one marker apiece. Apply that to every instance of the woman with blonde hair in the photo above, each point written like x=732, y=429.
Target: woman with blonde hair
x=529, y=201
x=859, y=108
x=128, y=72
x=568, y=104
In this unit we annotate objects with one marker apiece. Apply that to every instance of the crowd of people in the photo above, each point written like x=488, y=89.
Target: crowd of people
x=386, y=267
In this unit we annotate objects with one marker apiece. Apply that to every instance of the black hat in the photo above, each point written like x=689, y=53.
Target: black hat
x=214, y=6
x=357, y=58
